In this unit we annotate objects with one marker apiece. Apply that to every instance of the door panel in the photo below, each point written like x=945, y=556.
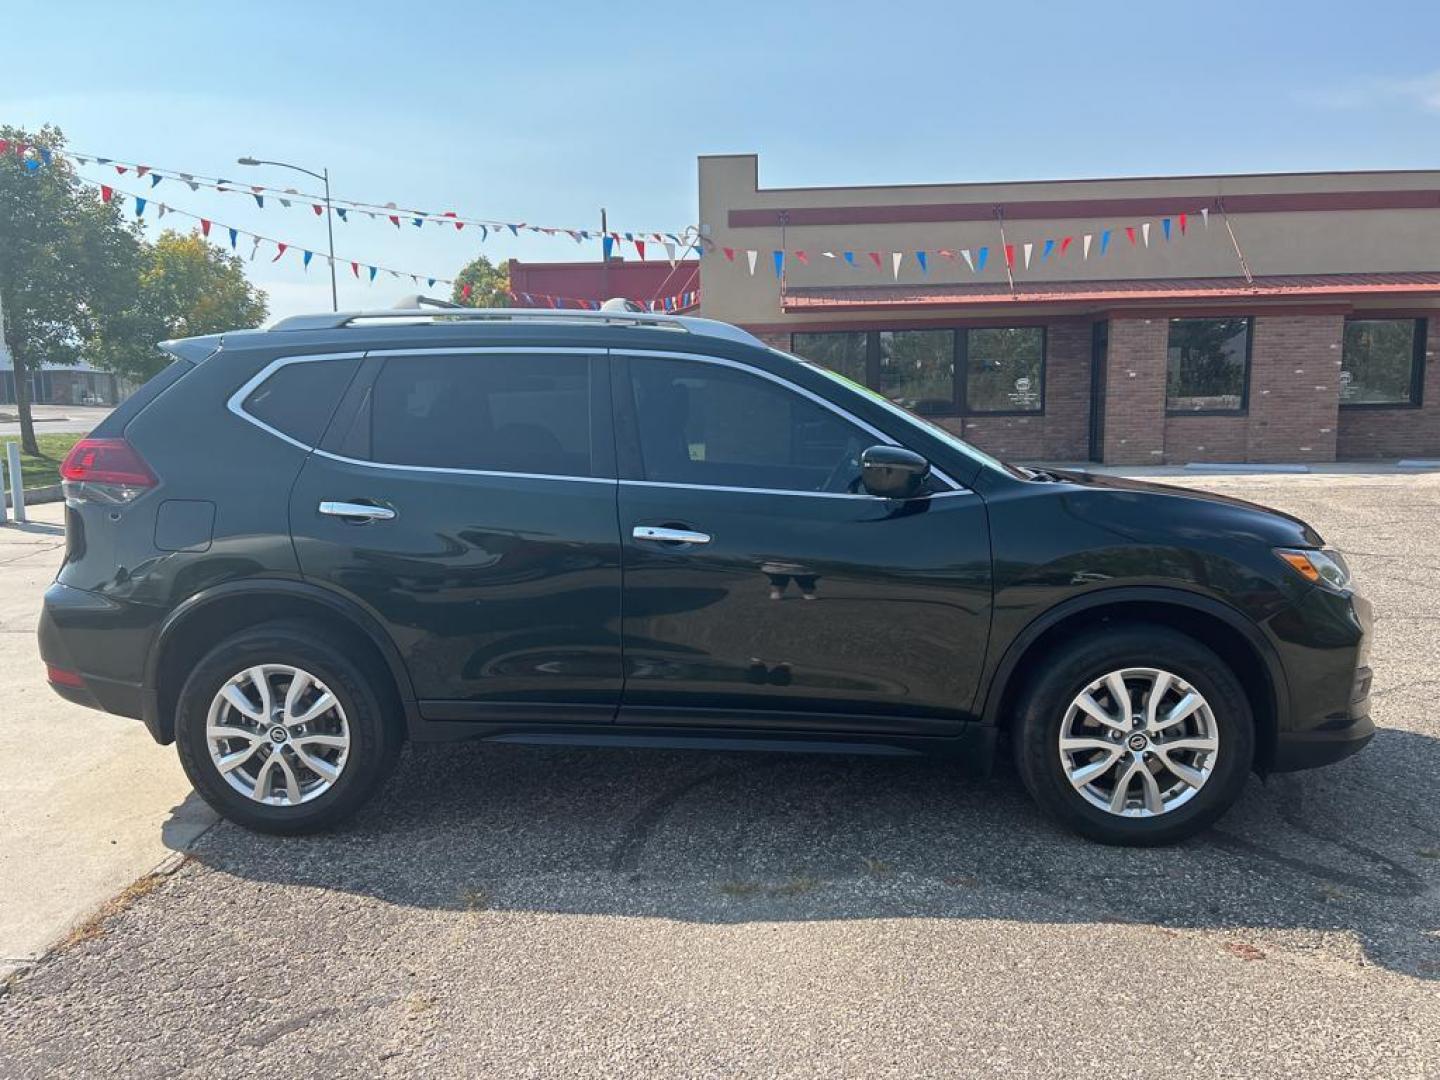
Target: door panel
x=806, y=608
x=501, y=587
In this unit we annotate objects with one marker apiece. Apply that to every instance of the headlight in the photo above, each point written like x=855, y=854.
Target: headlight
x=1321, y=567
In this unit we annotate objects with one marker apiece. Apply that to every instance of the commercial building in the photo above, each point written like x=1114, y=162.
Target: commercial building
x=655, y=283
x=1264, y=318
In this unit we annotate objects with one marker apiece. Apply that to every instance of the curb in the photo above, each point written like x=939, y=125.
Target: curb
x=1241, y=467
x=41, y=495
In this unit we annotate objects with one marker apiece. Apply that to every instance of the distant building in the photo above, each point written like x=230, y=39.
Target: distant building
x=57, y=385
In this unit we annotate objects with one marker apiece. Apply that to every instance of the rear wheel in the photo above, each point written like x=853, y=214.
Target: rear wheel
x=1135, y=735
x=280, y=730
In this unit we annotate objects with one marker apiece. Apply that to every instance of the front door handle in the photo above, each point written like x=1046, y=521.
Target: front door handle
x=357, y=511
x=669, y=536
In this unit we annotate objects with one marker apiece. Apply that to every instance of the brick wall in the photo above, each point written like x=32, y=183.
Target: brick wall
x=1135, y=392
x=1398, y=433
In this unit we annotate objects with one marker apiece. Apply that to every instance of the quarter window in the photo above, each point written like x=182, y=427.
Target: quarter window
x=1382, y=362
x=1208, y=366
x=716, y=426
x=299, y=398
x=527, y=413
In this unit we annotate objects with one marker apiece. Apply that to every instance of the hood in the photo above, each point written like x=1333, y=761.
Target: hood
x=1182, y=506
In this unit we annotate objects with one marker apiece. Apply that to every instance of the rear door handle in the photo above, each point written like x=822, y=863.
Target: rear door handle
x=357, y=511
x=669, y=536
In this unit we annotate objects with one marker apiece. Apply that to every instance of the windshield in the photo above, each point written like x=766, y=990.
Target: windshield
x=949, y=437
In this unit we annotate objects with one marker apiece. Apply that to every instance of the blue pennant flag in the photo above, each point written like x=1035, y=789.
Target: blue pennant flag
x=45, y=154
x=306, y=260
x=850, y=257
x=920, y=258
x=234, y=235
x=155, y=179
x=259, y=199
x=342, y=212
x=1104, y=241
x=779, y=262
x=514, y=229
x=372, y=273
x=418, y=222
x=1049, y=247
x=980, y=257
x=31, y=164
x=630, y=237
x=484, y=233
x=607, y=244
x=139, y=206
x=1165, y=224
x=430, y=281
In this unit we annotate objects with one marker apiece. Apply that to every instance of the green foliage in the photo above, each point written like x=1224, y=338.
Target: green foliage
x=489, y=284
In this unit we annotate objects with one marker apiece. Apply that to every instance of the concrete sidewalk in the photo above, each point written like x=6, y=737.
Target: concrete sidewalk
x=88, y=802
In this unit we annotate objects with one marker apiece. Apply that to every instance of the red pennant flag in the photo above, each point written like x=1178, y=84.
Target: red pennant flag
x=121, y=169
x=394, y=220
x=1065, y=244
x=640, y=249
x=106, y=193
x=459, y=224
x=204, y=226
x=947, y=254
x=317, y=208
x=729, y=254
x=355, y=269
x=875, y=258
x=1010, y=256
x=141, y=170
x=802, y=257
x=1130, y=234
x=464, y=292
x=1182, y=224
x=280, y=252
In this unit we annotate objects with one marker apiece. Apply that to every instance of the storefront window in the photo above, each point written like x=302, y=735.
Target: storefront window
x=917, y=369
x=1209, y=366
x=1382, y=362
x=841, y=353
x=1004, y=369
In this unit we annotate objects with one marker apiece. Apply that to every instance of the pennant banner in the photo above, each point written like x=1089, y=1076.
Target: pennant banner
x=684, y=301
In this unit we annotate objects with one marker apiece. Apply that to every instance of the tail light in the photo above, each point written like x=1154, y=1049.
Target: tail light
x=105, y=470
x=62, y=676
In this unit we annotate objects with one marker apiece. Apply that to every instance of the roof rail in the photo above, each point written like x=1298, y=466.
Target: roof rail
x=422, y=316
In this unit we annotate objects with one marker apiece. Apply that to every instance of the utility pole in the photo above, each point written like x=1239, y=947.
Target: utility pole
x=604, y=259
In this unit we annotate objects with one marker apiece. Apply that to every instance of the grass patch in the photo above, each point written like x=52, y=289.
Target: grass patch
x=43, y=469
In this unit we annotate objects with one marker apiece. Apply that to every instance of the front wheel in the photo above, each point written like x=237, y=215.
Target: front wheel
x=281, y=731
x=1135, y=735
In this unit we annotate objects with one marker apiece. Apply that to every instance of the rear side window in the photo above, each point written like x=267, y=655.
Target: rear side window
x=298, y=399
x=526, y=413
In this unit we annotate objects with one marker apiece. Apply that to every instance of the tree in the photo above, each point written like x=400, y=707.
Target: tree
x=67, y=263
x=185, y=287
x=489, y=284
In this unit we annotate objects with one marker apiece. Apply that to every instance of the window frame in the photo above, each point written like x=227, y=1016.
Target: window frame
x=1244, y=407
x=1417, y=362
x=960, y=353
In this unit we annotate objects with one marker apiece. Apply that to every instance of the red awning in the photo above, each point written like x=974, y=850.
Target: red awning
x=1154, y=290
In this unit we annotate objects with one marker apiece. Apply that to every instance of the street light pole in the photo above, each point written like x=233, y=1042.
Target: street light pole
x=324, y=177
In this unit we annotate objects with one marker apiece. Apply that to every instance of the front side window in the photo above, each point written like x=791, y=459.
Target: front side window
x=526, y=413
x=1004, y=369
x=917, y=369
x=716, y=426
x=1208, y=366
x=1382, y=362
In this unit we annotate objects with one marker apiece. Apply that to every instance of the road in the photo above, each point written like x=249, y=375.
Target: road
x=55, y=419
x=539, y=913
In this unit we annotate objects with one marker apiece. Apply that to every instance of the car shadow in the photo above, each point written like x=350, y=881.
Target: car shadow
x=1352, y=850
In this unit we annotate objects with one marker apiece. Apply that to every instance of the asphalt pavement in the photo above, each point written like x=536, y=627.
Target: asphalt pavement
x=516, y=912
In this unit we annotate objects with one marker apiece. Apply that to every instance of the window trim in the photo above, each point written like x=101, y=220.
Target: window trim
x=1417, y=362
x=824, y=403
x=962, y=373
x=1244, y=408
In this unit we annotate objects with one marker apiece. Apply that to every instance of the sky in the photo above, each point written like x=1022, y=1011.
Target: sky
x=545, y=113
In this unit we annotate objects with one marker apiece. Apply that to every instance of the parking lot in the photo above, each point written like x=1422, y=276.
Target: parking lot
x=519, y=912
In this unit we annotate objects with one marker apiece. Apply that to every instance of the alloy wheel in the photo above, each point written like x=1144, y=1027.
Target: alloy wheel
x=277, y=734
x=1139, y=742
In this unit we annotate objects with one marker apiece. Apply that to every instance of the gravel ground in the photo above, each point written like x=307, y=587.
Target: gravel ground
x=515, y=912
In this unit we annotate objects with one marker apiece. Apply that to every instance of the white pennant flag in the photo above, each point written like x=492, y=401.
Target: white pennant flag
x=1145, y=233
x=828, y=254
x=750, y=257
x=670, y=253
x=1205, y=215
x=163, y=210
x=895, y=259
x=1085, y=247
x=255, y=250
x=965, y=254
x=1029, y=248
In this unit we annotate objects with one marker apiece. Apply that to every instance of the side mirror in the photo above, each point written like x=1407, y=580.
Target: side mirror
x=892, y=472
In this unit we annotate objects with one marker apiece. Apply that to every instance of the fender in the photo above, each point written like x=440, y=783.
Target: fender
x=347, y=609
x=1236, y=620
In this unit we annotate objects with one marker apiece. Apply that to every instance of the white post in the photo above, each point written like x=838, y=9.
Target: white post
x=2, y=494
x=17, y=482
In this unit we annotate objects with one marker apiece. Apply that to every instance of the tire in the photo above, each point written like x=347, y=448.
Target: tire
x=343, y=777
x=1141, y=654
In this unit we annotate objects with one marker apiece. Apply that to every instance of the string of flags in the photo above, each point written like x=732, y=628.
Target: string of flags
x=683, y=301
x=1021, y=255
x=267, y=196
